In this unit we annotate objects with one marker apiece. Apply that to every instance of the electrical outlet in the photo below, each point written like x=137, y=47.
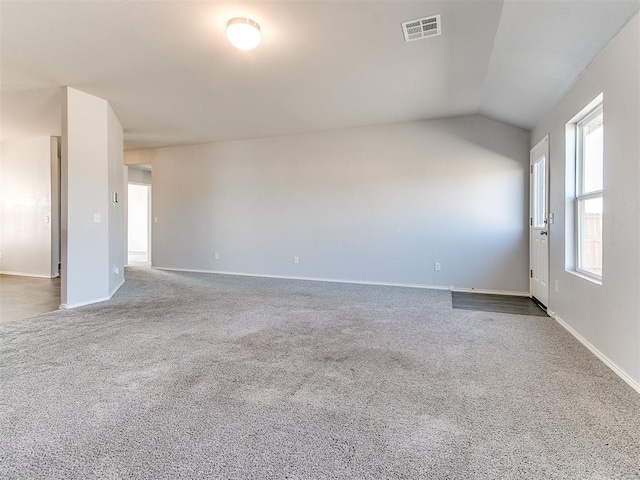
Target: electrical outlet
x=296, y=260
x=155, y=219
x=216, y=256
x=557, y=286
x=116, y=270
x=437, y=267
x=96, y=218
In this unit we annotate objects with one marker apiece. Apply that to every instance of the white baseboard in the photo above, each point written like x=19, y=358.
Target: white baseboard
x=23, y=274
x=606, y=360
x=312, y=279
x=66, y=306
x=116, y=288
x=338, y=280
x=490, y=292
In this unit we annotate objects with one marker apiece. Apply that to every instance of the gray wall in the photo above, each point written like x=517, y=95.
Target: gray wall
x=117, y=236
x=28, y=207
x=90, y=141
x=137, y=175
x=55, y=205
x=376, y=204
x=607, y=316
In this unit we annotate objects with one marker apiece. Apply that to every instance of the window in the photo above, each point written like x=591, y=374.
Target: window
x=589, y=192
x=540, y=197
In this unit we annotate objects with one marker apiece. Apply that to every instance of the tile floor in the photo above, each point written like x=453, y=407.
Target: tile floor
x=23, y=297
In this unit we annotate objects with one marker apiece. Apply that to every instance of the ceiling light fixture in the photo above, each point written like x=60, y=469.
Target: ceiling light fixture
x=243, y=33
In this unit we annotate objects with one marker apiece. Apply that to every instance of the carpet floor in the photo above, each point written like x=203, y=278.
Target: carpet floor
x=185, y=375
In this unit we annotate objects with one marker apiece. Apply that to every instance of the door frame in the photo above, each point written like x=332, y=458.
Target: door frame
x=149, y=218
x=541, y=147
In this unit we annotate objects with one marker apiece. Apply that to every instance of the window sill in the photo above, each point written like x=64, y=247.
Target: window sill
x=597, y=281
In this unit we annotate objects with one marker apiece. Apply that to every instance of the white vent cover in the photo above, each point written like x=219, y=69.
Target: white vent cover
x=421, y=28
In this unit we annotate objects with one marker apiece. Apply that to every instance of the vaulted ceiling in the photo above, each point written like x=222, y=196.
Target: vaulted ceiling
x=172, y=78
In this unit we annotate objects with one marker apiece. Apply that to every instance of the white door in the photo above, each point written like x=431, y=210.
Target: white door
x=538, y=223
x=139, y=238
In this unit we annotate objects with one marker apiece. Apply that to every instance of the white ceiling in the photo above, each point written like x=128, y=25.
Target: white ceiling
x=172, y=78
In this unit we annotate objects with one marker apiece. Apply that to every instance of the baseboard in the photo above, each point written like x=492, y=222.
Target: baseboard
x=67, y=306
x=23, y=274
x=116, y=288
x=339, y=280
x=603, y=358
x=491, y=292
x=311, y=279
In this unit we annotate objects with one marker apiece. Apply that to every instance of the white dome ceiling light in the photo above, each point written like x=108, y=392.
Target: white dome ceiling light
x=243, y=33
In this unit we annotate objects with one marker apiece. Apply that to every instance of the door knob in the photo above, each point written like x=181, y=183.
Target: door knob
x=544, y=233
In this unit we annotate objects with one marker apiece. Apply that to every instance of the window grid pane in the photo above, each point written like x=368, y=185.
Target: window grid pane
x=590, y=235
x=589, y=193
x=592, y=143
x=539, y=207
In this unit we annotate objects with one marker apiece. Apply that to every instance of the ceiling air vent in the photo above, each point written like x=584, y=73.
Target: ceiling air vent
x=421, y=28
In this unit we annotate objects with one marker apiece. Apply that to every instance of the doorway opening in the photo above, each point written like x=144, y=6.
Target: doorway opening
x=139, y=225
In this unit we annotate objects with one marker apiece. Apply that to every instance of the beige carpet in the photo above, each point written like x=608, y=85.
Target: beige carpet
x=203, y=376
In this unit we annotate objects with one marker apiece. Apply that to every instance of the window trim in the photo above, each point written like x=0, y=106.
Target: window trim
x=579, y=196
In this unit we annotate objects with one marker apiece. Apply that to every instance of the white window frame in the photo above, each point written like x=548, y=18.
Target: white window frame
x=580, y=196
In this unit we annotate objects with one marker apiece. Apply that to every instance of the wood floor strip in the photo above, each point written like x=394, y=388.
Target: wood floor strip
x=496, y=303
